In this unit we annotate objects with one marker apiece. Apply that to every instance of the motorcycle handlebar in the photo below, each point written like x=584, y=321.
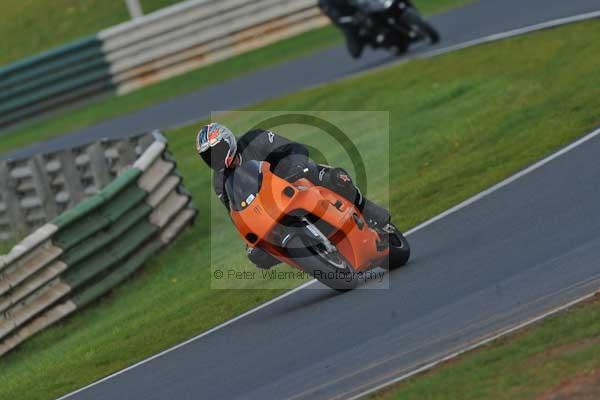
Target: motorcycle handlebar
x=294, y=177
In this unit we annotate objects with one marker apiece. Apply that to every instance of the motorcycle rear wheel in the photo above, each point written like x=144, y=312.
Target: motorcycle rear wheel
x=308, y=258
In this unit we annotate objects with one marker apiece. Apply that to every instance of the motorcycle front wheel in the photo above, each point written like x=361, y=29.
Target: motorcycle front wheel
x=331, y=270
x=402, y=45
x=399, y=248
x=426, y=30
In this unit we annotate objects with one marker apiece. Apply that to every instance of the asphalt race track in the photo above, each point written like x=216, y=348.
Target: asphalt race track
x=526, y=248
x=474, y=21
x=520, y=251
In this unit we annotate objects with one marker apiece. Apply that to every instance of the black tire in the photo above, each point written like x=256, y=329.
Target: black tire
x=399, y=250
x=414, y=18
x=354, y=43
x=315, y=265
x=401, y=47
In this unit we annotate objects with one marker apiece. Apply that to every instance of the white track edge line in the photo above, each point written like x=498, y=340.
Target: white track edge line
x=190, y=340
x=512, y=33
x=415, y=229
x=441, y=51
x=474, y=346
x=452, y=210
x=507, y=181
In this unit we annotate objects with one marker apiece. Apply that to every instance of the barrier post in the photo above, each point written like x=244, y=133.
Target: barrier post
x=98, y=165
x=11, y=201
x=72, y=178
x=134, y=8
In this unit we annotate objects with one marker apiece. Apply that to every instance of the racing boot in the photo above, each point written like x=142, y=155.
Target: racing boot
x=340, y=182
x=377, y=217
x=261, y=258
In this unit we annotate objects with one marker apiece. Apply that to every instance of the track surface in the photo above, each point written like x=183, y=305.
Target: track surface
x=516, y=253
x=461, y=25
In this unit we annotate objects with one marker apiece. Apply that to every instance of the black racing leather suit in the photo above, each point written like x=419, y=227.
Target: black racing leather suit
x=284, y=156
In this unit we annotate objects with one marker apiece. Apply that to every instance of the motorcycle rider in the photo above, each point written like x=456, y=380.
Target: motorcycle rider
x=337, y=10
x=223, y=152
x=352, y=17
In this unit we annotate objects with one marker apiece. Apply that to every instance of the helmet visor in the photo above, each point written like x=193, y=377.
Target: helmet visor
x=215, y=156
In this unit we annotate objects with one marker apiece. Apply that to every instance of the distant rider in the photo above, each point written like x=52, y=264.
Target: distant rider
x=337, y=11
x=222, y=152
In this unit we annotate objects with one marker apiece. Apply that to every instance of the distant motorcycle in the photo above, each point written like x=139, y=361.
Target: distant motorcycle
x=389, y=24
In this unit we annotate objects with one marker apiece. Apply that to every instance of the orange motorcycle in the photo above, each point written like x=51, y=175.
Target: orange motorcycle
x=310, y=227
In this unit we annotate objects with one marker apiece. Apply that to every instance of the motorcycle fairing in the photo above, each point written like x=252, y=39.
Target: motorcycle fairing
x=276, y=199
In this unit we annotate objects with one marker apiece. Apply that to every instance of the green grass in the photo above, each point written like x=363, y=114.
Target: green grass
x=7, y=245
x=458, y=124
x=112, y=106
x=522, y=366
x=29, y=27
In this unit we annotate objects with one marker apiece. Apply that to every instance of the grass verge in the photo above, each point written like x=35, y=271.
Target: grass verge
x=112, y=106
x=30, y=27
x=456, y=128
x=552, y=360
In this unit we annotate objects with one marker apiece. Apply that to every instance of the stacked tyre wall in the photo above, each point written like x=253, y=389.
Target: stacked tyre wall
x=37, y=189
x=149, y=49
x=86, y=251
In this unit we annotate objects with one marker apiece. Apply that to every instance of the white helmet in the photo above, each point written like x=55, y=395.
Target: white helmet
x=216, y=145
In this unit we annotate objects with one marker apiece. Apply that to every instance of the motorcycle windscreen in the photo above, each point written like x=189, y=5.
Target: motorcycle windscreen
x=372, y=6
x=243, y=185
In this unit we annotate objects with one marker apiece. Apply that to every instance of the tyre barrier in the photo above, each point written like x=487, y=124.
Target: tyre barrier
x=143, y=51
x=52, y=79
x=86, y=251
x=36, y=189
